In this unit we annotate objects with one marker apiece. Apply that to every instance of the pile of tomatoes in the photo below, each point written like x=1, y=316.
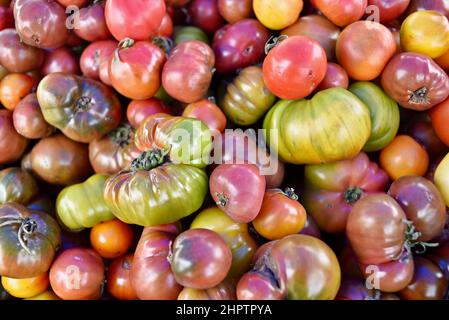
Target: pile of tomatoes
x=316, y=163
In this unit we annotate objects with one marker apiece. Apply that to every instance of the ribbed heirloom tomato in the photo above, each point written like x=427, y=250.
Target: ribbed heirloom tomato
x=295, y=67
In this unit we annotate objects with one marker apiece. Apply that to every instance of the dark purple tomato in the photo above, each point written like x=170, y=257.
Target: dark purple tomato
x=239, y=45
x=92, y=23
x=205, y=15
x=63, y=60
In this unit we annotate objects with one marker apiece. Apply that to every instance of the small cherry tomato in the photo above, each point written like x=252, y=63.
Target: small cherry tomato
x=13, y=88
x=27, y=287
x=111, y=239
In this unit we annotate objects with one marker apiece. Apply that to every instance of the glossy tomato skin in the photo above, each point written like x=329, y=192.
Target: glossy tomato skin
x=135, y=69
x=161, y=195
x=118, y=279
x=33, y=254
x=13, y=88
x=114, y=151
x=335, y=76
x=6, y=18
x=239, y=45
x=364, y=48
x=223, y=291
x=247, y=98
x=235, y=10
x=59, y=160
x=139, y=110
x=162, y=131
x=12, y=144
x=281, y=272
x=281, y=215
x=277, y=14
x=441, y=6
x=205, y=15
x=77, y=274
x=428, y=282
x=83, y=109
x=425, y=32
x=333, y=189
x=40, y=23
x=389, y=10
x=111, y=239
x=78, y=3
x=251, y=152
x=151, y=257
x=440, y=256
x=62, y=59
x=17, y=56
x=236, y=235
x=415, y=81
x=201, y=259
x=341, y=12
x=96, y=54
x=376, y=229
x=422, y=204
x=82, y=205
x=188, y=72
x=238, y=189
x=209, y=113
x=27, y=287
x=385, y=115
x=404, y=156
x=138, y=20
x=439, y=115
x=295, y=67
x=443, y=61
x=296, y=123
x=17, y=185
x=92, y=23
x=318, y=28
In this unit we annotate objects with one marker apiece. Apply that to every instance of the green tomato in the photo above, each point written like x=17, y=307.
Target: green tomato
x=385, y=116
x=334, y=125
x=190, y=33
x=82, y=205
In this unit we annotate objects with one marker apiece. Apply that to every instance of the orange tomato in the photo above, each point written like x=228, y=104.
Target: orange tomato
x=440, y=115
x=277, y=14
x=208, y=112
x=13, y=88
x=404, y=156
x=281, y=215
x=26, y=288
x=111, y=239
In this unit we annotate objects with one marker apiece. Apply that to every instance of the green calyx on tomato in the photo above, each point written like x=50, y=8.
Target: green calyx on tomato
x=412, y=237
x=122, y=135
x=149, y=160
x=353, y=194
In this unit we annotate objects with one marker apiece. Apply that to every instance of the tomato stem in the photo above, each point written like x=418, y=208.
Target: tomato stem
x=148, y=160
x=83, y=103
x=126, y=43
x=164, y=43
x=222, y=199
x=411, y=241
x=353, y=194
x=122, y=135
x=273, y=42
x=290, y=192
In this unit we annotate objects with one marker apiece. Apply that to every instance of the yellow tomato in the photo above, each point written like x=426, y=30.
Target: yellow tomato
x=47, y=295
x=442, y=178
x=277, y=14
x=26, y=288
x=425, y=32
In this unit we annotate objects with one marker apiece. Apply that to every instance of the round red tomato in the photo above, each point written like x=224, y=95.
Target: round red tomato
x=341, y=12
x=118, y=280
x=137, y=19
x=388, y=10
x=139, y=110
x=208, y=112
x=440, y=116
x=295, y=67
x=95, y=55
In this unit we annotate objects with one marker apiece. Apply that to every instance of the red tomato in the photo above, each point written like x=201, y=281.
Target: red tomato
x=61, y=59
x=135, y=69
x=208, y=112
x=139, y=110
x=336, y=76
x=77, y=274
x=166, y=27
x=12, y=144
x=364, y=48
x=440, y=116
x=341, y=12
x=95, y=55
x=6, y=18
x=92, y=23
x=388, y=9
x=238, y=189
x=137, y=19
x=118, y=280
x=111, y=239
x=205, y=15
x=295, y=67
